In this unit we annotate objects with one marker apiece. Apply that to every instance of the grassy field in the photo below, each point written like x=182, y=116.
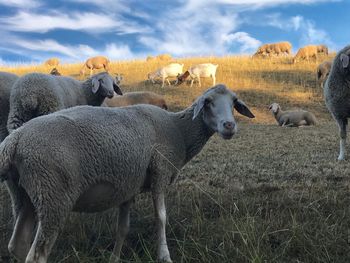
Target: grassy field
x=270, y=194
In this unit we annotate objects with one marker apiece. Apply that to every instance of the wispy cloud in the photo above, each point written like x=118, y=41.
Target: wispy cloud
x=246, y=42
x=83, y=21
x=21, y=3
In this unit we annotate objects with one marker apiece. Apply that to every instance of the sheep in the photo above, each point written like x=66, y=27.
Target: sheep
x=323, y=71
x=52, y=62
x=294, y=118
x=171, y=70
x=140, y=97
x=97, y=62
x=6, y=82
x=202, y=70
x=337, y=94
x=306, y=53
x=322, y=49
x=55, y=72
x=280, y=48
x=37, y=94
x=89, y=159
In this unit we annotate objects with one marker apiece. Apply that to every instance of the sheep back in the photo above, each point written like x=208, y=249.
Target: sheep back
x=132, y=98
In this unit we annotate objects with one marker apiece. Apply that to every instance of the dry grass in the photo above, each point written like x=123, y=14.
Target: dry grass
x=271, y=194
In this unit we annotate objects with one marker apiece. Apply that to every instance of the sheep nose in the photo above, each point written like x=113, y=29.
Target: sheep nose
x=229, y=125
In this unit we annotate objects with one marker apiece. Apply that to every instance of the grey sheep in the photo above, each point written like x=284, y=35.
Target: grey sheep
x=89, y=159
x=6, y=82
x=323, y=71
x=294, y=118
x=37, y=94
x=337, y=94
x=139, y=97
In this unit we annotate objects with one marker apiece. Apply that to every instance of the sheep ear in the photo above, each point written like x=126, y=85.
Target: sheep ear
x=345, y=60
x=95, y=85
x=117, y=89
x=198, y=108
x=243, y=109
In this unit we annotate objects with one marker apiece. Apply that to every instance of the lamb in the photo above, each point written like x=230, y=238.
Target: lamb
x=52, y=62
x=292, y=118
x=6, y=82
x=171, y=70
x=306, y=52
x=97, y=62
x=337, y=94
x=199, y=71
x=263, y=50
x=69, y=167
x=37, y=94
x=323, y=71
x=140, y=97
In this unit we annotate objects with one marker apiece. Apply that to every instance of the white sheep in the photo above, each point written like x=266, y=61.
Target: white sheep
x=294, y=118
x=171, y=70
x=205, y=70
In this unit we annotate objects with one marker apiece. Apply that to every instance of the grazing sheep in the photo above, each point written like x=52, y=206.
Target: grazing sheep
x=55, y=72
x=337, y=94
x=6, y=82
x=97, y=62
x=306, y=52
x=52, y=62
x=205, y=70
x=171, y=70
x=38, y=94
x=322, y=49
x=323, y=71
x=280, y=48
x=140, y=97
x=89, y=159
x=294, y=118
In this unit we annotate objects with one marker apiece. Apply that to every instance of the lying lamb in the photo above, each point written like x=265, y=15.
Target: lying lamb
x=294, y=118
x=89, y=159
x=38, y=94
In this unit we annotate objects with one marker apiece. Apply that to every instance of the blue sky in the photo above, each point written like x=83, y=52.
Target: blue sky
x=34, y=30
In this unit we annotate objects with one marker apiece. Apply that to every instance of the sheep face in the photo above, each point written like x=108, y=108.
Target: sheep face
x=216, y=106
x=105, y=85
x=274, y=107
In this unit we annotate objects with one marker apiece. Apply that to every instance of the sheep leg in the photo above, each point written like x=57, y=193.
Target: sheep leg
x=160, y=211
x=342, y=123
x=199, y=81
x=192, y=80
x=163, y=81
x=168, y=82
x=44, y=240
x=122, y=231
x=21, y=238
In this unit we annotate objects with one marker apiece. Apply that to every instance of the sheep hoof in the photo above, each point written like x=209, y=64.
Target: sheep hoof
x=341, y=158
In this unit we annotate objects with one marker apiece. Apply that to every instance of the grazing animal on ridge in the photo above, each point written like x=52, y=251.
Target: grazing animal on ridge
x=69, y=167
x=52, y=62
x=199, y=71
x=306, y=53
x=97, y=62
x=171, y=70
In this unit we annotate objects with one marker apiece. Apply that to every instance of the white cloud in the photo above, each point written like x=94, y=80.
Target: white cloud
x=247, y=42
x=21, y=3
x=89, y=22
x=74, y=52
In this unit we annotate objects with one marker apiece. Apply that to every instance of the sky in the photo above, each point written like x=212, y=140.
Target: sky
x=32, y=31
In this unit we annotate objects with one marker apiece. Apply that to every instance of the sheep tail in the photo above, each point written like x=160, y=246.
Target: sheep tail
x=7, y=152
x=311, y=119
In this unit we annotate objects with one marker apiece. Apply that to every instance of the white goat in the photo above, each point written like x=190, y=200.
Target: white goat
x=171, y=70
x=205, y=70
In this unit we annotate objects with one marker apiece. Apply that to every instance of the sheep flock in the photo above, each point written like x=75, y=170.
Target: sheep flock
x=86, y=146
